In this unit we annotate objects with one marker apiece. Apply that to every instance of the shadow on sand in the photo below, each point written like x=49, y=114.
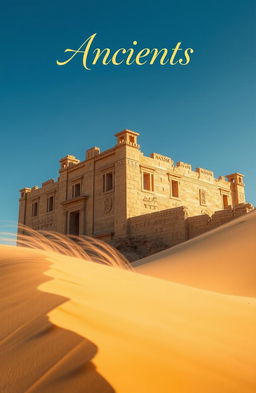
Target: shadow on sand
x=35, y=355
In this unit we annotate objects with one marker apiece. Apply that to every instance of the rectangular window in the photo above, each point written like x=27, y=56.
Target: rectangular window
x=175, y=188
x=50, y=204
x=225, y=201
x=34, y=209
x=202, y=197
x=107, y=181
x=76, y=188
x=148, y=181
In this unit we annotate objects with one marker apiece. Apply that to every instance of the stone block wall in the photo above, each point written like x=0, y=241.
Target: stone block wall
x=197, y=225
x=169, y=226
x=153, y=232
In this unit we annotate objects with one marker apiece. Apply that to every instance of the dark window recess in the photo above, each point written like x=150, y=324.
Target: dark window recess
x=50, y=204
x=148, y=181
x=76, y=188
x=108, y=182
x=74, y=223
x=225, y=201
x=34, y=209
x=175, y=188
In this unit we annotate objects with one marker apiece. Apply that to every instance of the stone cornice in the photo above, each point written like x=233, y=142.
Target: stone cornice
x=76, y=199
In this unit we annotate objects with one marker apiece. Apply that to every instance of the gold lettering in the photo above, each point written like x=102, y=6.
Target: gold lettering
x=141, y=54
x=174, y=53
x=131, y=50
x=99, y=53
x=88, y=43
x=105, y=56
x=186, y=56
x=156, y=53
x=114, y=61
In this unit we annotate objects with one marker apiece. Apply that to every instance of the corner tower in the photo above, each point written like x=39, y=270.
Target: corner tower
x=127, y=151
x=237, y=188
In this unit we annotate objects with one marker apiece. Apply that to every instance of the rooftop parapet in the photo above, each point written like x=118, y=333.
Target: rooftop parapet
x=47, y=182
x=68, y=161
x=182, y=164
x=204, y=172
x=160, y=157
x=127, y=137
x=92, y=152
x=24, y=191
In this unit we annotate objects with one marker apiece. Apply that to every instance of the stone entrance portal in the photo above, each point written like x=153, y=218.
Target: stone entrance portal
x=74, y=223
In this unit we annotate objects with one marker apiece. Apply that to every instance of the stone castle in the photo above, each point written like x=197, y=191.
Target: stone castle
x=121, y=193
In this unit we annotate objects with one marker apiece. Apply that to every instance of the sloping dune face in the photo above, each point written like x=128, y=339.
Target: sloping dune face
x=35, y=354
x=223, y=260
x=68, y=325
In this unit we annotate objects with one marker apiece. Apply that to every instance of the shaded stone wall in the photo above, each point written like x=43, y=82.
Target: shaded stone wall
x=169, y=226
x=173, y=226
x=203, y=223
x=154, y=232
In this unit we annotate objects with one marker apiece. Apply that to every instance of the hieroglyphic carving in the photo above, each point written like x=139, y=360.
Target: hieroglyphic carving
x=150, y=202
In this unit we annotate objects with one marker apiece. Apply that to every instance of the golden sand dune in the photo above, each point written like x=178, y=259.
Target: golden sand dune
x=71, y=326
x=222, y=260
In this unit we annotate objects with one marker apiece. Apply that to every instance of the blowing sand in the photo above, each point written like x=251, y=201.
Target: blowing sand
x=73, y=326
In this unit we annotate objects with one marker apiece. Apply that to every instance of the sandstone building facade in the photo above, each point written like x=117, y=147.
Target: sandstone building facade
x=121, y=192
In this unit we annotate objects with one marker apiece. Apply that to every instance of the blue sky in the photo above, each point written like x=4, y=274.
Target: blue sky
x=203, y=113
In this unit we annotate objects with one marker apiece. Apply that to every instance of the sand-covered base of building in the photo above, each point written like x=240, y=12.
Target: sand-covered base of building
x=182, y=321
